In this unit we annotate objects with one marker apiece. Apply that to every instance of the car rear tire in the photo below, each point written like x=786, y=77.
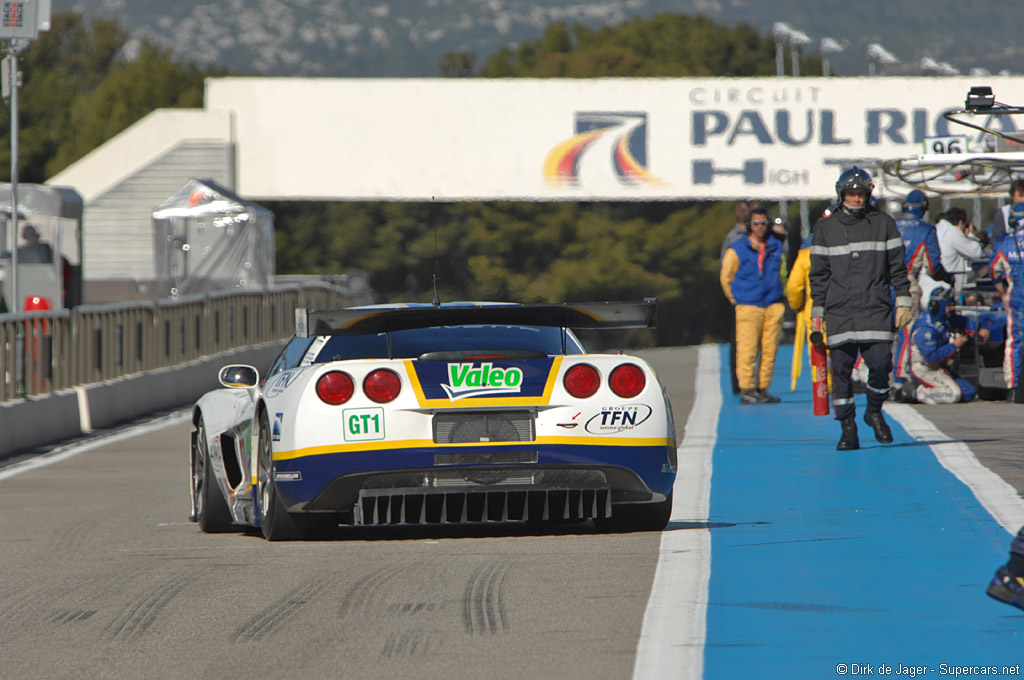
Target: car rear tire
x=212, y=513
x=276, y=523
x=637, y=517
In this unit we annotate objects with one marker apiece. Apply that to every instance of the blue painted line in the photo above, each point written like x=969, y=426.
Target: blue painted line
x=820, y=558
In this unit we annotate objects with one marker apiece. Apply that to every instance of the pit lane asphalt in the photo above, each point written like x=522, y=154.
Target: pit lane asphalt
x=104, y=577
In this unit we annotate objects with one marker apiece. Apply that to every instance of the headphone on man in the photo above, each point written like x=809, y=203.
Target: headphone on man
x=750, y=214
x=939, y=298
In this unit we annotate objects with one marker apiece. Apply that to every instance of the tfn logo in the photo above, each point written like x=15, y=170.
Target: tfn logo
x=599, y=137
x=616, y=419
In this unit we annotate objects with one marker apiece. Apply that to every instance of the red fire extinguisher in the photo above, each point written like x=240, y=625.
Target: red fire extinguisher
x=819, y=374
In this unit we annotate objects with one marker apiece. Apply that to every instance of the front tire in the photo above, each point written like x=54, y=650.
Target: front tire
x=275, y=522
x=211, y=510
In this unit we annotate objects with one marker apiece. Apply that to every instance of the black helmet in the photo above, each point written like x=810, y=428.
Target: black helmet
x=854, y=178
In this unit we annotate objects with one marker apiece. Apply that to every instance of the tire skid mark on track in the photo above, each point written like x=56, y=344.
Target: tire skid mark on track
x=143, y=611
x=70, y=616
x=17, y=610
x=68, y=540
x=412, y=608
x=21, y=611
x=367, y=592
x=411, y=644
x=368, y=598
x=483, y=606
x=270, y=620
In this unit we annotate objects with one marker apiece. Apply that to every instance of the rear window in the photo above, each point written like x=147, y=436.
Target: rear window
x=412, y=343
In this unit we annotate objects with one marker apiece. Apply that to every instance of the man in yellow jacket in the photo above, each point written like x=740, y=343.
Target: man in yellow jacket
x=798, y=294
x=751, y=278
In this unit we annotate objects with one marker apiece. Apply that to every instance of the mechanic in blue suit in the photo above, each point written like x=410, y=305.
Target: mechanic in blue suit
x=1007, y=269
x=921, y=254
x=1007, y=585
x=856, y=255
x=933, y=347
x=998, y=227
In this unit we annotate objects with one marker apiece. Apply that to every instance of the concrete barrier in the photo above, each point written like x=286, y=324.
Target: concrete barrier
x=29, y=423
x=44, y=421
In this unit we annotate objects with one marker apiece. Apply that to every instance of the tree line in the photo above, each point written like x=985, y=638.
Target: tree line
x=85, y=82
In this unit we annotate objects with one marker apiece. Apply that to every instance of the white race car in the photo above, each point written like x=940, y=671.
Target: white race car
x=422, y=414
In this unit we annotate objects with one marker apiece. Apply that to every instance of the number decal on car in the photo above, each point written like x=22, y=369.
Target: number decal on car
x=363, y=424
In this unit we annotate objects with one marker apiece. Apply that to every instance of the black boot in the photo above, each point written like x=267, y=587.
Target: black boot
x=877, y=422
x=849, y=440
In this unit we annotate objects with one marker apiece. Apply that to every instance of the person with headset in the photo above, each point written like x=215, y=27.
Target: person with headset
x=751, y=279
x=857, y=253
x=1002, y=221
x=922, y=250
x=933, y=347
x=922, y=255
x=1007, y=268
x=1007, y=585
x=738, y=230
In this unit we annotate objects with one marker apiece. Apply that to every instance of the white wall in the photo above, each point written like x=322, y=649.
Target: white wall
x=413, y=139
x=139, y=146
x=508, y=139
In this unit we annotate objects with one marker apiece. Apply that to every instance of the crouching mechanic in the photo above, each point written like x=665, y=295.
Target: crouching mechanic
x=856, y=255
x=932, y=349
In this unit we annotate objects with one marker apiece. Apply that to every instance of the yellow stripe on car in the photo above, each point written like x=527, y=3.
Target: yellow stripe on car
x=427, y=443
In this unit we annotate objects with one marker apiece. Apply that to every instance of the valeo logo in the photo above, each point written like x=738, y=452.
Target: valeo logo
x=469, y=380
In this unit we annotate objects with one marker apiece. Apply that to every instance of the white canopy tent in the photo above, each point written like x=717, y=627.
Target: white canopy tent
x=206, y=239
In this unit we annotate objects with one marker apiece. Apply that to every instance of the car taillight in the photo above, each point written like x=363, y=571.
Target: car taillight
x=382, y=385
x=582, y=381
x=627, y=381
x=335, y=387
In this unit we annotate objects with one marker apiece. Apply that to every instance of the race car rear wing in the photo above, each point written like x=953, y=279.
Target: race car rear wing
x=580, y=316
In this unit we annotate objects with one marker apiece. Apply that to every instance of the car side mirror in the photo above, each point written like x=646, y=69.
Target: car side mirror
x=239, y=375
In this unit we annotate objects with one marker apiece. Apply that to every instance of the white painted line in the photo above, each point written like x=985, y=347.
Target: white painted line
x=65, y=452
x=671, y=641
x=998, y=497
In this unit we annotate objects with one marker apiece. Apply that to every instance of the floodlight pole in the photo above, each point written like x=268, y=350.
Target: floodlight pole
x=781, y=32
x=20, y=22
x=11, y=76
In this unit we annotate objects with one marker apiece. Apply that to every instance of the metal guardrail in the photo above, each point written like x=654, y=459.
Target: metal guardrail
x=45, y=352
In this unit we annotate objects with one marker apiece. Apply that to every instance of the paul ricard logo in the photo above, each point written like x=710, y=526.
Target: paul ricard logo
x=469, y=380
x=608, y=147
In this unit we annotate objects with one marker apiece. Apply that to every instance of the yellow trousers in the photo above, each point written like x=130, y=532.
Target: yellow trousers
x=757, y=328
